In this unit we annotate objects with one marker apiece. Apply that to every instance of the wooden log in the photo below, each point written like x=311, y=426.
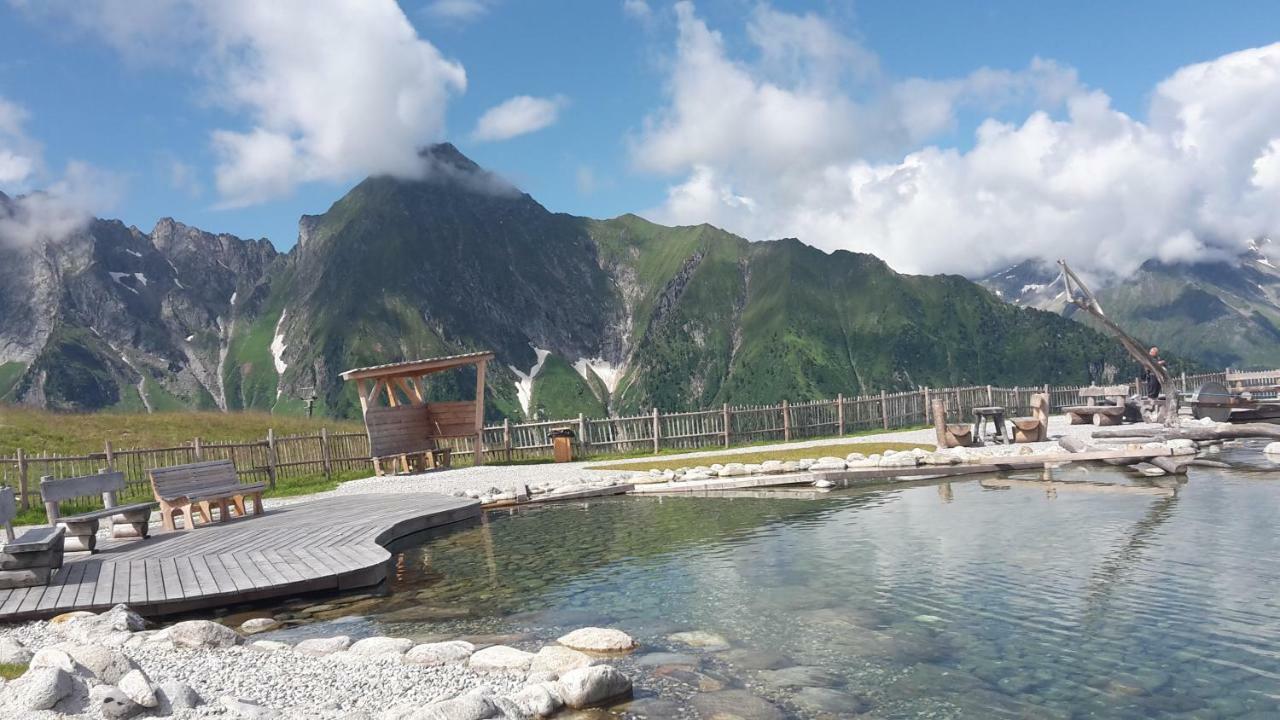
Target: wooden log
x=1219, y=431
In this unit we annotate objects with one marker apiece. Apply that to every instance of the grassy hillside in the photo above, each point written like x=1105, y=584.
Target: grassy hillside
x=37, y=431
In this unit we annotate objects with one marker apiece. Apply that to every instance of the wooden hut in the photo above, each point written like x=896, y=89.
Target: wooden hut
x=403, y=427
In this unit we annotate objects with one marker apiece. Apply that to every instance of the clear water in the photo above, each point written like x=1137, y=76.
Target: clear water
x=973, y=599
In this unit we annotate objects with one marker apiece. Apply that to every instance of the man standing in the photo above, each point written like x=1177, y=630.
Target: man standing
x=1150, y=378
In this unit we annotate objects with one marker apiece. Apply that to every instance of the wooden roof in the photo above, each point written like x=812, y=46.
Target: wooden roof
x=413, y=368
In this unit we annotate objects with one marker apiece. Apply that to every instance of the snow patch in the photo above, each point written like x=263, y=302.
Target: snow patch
x=190, y=338
x=524, y=383
x=608, y=373
x=134, y=253
x=140, y=278
x=1265, y=261
x=119, y=278
x=232, y=301
x=1031, y=287
x=278, y=346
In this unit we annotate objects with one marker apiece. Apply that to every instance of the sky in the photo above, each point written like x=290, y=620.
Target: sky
x=938, y=136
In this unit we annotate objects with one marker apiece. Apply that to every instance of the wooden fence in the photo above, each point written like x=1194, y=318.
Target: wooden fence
x=272, y=458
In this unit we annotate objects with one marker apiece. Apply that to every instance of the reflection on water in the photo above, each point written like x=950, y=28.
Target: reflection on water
x=1005, y=597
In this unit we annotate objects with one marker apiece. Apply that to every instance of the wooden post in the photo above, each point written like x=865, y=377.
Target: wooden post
x=108, y=496
x=728, y=424
x=50, y=507
x=840, y=413
x=271, y=457
x=884, y=409
x=1184, y=381
x=991, y=399
x=940, y=421
x=925, y=404
x=656, y=432
x=196, y=450
x=478, y=455
x=325, y=454
x=583, y=441
x=786, y=420
x=110, y=454
x=23, y=471
x=506, y=437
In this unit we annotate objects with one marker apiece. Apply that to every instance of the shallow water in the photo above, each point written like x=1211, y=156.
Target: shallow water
x=969, y=599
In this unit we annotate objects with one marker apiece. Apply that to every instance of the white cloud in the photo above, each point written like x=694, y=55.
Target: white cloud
x=519, y=115
x=19, y=154
x=460, y=11
x=65, y=206
x=329, y=89
x=638, y=9
x=792, y=144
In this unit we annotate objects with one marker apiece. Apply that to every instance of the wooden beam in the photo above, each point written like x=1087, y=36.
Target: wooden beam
x=417, y=367
x=478, y=457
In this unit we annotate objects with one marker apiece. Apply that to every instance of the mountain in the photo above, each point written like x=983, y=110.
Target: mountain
x=584, y=315
x=1221, y=314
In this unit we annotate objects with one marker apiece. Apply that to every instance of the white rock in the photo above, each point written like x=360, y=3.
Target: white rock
x=827, y=464
x=13, y=652
x=112, y=703
x=539, y=700
x=203, y=634
x=790, y=466
x=591, y=686
x=824, y=484
x=693, y=475
x=1151, y=471
x=940, y=458
x=500, y=658
x=771, y=467
x=106, y=664
x=42, y=687
x=898, y=460
x=854, y=457
x=51, y=657
x=467, y=707
x=805, y=463
x=137, y=686
x=753, y=468
x=381, y=646
x=887, y=453
x=253, y=626
x=594, y=639
x=247, y=710
x=440, y=653
x=732, y=470
x=700, y=639
x=1272, y=448
x=668, y=475
x=716, y=467
x=319, y=647
x=178, y=695
x=559, y=660
x=270, y=645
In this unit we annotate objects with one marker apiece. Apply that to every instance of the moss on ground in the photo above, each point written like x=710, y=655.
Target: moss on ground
x=10, y=671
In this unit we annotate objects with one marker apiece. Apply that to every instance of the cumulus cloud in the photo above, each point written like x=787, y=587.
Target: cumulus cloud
x=65, y=206
x=638, y=9
x=812, y=140
x=460, y=11
x=329, y=89
x=19, y=154
x=517, y=116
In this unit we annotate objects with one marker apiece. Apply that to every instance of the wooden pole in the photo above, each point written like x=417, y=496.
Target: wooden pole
x=271, y=457
x=940, y=421
x=583, y=441
x=325, y=454
x=656, y=432
x=23, y=471
x=786, y=420
x=991, y=398
x=506, y=437
x=925, y=404
x=840, y=413
x=478, y=455
x=196, y=450
x=884, y=409
x=110, y=454
x=728, y=424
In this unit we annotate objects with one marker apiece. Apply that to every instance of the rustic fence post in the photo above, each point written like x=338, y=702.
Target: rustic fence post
x=657, y=432
x=271, y=457
x=324, y=453
x=925, y=404
x=884, y=409
x=506, y=437
x=786, y=420
x=110, y=454
x=727, y=424
x=196, y=450
x=583, y=440
x=991, y=398
x=23, y=470
x=840, y=413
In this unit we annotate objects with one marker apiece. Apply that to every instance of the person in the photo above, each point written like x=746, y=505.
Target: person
x=1153, y=379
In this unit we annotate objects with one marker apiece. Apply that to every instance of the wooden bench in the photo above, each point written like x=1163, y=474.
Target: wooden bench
x=198, y=488
x=1262, y=385
x=1105, y=405
x=403, y=438
x=127, y=521
x=1036, y=427
x=31, y=558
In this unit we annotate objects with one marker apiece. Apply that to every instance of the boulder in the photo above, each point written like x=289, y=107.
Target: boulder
x=137, y=686
x=1272, y=448
x=500, y=658
x=270, y=645
x=771, y=467
x=52, y=657
x=467, y=707
x=854, y=457
x=732, y=470
x=381, y=647
x=559, y=660
x=540, y=700
x=106, y=664
x=827, y=464
x=805, y=463
x=203, y=634
x=592, y=686
x=177, y=695
x=113, y=703
x=735, y=705
x=247, y=710
x=753, y=468
x=121, y=618
x=594, y=639
x=440, y=653
x=668, y=475
x=700, y=639
x=253, y=626
x=13, y=652
x=40, y=688
x=319, y=647
x=790, y=466
x=695, y=475
x=898, y=460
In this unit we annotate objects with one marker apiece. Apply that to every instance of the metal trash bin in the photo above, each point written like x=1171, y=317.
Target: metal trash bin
x=562, y=444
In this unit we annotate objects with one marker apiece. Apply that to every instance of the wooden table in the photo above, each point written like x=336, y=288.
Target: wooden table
x=993, y=414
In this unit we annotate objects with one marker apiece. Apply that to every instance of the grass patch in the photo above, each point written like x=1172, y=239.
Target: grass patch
x=67, y=433
x=10, y=671
x=839, y=450
x=306, y=485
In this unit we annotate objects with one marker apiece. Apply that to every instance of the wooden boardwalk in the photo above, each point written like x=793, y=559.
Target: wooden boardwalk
x=330, y=544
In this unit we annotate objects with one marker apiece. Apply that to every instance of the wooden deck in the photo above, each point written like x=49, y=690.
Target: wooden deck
x=329, y=544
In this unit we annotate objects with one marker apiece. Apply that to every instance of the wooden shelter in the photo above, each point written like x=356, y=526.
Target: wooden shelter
x=400, y=422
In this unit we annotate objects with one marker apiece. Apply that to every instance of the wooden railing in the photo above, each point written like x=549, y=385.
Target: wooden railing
x=272, y=458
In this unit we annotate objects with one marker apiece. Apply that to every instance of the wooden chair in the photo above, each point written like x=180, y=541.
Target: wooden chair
x=198, y=488
x=949, y=434
x=1036, y=427
x=31, y=558
x=1105, y=406
x=128, y=521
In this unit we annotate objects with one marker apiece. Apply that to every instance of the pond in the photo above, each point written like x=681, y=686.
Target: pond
x=1008, y=597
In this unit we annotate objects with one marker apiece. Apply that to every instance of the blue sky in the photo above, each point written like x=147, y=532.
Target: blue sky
x=144, y=112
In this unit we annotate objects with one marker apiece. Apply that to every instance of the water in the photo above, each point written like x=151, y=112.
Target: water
x=971, y=599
